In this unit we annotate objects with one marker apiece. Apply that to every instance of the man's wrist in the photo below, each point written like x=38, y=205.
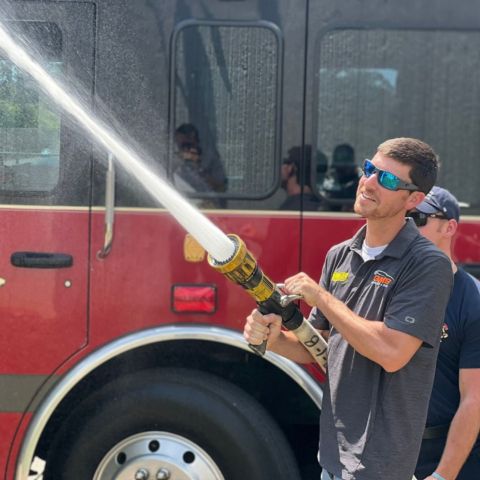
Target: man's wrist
x=275, y=345
x=437, y=476
x=320, y=298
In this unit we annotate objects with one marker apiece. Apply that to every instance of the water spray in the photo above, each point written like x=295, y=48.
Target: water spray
x=205, y=232
x=227, y=254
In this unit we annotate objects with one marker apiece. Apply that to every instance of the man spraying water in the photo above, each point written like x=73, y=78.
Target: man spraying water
x=381, y=298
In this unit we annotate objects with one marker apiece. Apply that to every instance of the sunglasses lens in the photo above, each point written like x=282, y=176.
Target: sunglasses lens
x=386, y=179
x=419, y=218
x=368, y=168
x=389, y=180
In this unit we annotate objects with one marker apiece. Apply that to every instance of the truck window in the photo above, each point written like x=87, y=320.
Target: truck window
x=29, y=121
x=377, y=84
x=226, y=85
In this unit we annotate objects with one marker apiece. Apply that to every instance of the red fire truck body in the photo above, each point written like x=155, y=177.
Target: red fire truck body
x=148, y=321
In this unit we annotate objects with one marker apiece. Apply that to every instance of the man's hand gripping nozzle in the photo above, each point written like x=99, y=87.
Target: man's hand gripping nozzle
x=243, y=270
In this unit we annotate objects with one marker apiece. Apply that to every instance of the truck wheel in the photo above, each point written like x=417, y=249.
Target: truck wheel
x=170, y=424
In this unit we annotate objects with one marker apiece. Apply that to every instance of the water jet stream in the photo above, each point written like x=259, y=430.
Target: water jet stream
x=210, y=237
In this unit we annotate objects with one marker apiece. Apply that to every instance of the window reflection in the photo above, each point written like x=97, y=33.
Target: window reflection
x=29, y=121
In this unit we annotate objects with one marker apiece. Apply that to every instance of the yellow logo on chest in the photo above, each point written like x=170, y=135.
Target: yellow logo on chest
x=340, y=276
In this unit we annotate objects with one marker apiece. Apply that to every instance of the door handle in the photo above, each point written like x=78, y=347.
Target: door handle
x=41, y=260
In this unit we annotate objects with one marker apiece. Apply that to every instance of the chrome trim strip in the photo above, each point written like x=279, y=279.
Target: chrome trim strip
x=136, y=340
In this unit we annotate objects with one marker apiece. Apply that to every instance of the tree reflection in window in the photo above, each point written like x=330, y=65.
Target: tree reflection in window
x=29, y=121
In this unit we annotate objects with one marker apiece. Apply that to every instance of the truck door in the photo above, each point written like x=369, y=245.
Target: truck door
x=44, y=199
x=234, y=71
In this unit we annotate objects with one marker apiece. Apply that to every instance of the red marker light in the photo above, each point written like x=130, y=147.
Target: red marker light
x=196, y=298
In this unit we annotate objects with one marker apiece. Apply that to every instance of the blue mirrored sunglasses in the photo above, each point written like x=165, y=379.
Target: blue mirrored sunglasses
x=386, y=179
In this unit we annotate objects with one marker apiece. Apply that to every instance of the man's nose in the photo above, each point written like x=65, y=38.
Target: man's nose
x=371, y=181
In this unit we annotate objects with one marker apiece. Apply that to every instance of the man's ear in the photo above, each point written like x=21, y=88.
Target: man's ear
x=451, y=229
x=414, y=199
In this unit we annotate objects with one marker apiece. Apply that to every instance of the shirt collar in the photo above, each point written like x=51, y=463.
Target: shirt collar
x=396, y=248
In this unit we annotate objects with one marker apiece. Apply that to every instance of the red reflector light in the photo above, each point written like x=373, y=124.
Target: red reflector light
x=194, y=298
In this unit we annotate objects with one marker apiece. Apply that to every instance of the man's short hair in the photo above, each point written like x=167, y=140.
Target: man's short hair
x=418, y=155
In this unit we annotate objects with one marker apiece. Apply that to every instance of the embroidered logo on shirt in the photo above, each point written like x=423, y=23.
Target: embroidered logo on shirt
x=407, y=319
x=381, y=279
x=444, y=334
x=340, y=276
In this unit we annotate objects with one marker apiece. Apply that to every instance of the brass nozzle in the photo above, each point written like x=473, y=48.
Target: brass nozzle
x=243, y=270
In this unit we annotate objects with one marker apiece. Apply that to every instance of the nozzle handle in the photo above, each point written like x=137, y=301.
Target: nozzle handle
x=259, y=349
x=262, y=347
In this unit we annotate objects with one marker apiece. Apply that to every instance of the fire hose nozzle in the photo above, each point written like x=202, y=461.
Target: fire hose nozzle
x=285, y=299
x=242, y=269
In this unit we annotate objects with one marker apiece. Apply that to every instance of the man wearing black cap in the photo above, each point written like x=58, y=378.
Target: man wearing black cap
x=451, y=445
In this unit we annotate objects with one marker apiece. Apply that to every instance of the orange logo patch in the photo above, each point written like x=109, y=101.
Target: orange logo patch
x=382, y=279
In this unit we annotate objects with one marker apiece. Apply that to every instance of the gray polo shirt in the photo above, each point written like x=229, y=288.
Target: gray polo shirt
x=372, y=421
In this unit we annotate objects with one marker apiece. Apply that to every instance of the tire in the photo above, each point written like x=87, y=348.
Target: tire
x=201, y=427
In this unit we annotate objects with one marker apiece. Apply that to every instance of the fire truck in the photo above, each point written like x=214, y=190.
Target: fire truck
x=121, y=354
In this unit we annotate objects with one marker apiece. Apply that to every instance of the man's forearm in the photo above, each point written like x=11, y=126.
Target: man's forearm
x=463, y=432
x=288, y=346
x=373, y=339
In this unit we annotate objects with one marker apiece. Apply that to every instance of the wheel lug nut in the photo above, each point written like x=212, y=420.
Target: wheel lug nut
x=142, y=474
x=163, y=474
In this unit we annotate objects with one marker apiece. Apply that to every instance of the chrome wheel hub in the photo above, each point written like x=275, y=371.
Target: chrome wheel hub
x=157, y=456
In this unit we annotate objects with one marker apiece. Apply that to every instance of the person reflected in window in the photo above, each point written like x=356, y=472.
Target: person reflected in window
x=201, y=170
x=296, y=182
x=341, y=180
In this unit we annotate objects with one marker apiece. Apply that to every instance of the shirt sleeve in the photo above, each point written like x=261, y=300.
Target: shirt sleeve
x=316, y=317
x=420, y=297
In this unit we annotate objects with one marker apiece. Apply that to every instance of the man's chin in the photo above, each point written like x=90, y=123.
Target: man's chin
x=359, y=211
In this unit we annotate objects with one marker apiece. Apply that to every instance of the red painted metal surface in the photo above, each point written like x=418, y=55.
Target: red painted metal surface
x=38, y=301
x=467, y=242
x=8, y=424
x=131, y=288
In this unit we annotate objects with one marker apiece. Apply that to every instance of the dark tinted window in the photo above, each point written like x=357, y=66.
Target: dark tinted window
x=374, y=85
x=226, y=82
